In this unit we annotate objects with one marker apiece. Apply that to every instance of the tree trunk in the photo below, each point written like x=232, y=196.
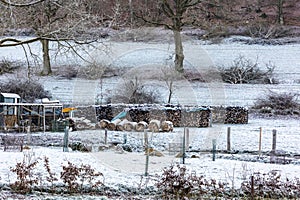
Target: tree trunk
x=280, y=12
x=179, y=57
x=131, y=13
x=170, y=91
x=46, y=58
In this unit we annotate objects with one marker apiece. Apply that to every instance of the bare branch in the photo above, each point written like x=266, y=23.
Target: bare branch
x=190, y=3
x=9, y=42
x=167, y=9
x=153, y=22
x=9, y=3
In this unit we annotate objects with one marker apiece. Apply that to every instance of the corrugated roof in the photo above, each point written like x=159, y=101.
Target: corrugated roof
x=10, y=95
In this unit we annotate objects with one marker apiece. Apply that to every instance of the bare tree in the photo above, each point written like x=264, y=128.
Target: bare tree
x=174, y=10
x=169, y=75
x=50, y=20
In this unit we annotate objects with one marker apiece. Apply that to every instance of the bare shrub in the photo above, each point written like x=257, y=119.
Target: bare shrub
x=8, y=66
x=216, y=33
x=267, y=31
x=28, y=90
x=96, y=71
x=278, y=104
x=26, y=177
x=65, y=71
x=91, y=71
x=176, y=182
x=145, y=34
x=135, y=92
x=271, y=185
x=244, y=70
x=76, y=178
x=51, y=177
x=192, y=75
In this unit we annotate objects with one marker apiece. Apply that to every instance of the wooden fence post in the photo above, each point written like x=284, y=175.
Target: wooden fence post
x=228, y=139
x=259, y=142
x=147, y=152
x=105, y=136
x=214, y=143
x=252, y=187
x=66, y=140
x=125, y=138
x=187, y=141
x=274, y=141
x=183, y=146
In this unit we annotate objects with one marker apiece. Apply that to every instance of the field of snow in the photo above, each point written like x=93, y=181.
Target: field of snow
x=200, y=57
x=128, y=168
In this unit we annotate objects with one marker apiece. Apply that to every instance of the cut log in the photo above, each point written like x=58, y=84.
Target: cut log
x=104, y=123
x=167, y=126
x=154, y=125
x=112, y=126
x=120, y=126
x=141, y=126
x=130, y=126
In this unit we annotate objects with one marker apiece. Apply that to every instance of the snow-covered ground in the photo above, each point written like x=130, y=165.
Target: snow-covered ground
x=200, y=57
x=128, y=168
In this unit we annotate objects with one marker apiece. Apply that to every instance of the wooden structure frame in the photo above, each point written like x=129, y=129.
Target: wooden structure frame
x=11, y=120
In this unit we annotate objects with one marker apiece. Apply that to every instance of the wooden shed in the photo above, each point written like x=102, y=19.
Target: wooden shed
x=13, y=113
x=9, y=113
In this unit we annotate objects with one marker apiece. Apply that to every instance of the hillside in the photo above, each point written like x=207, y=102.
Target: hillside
x=264, y=18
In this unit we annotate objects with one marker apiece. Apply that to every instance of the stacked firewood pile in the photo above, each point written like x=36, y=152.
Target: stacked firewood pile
x=196, y=117
x=140, y=113
x=218, y=114
x=173, y=114
x=180, y=116
x=236, y=115
x=108, y=111
x=104, y=112
x=125, y=125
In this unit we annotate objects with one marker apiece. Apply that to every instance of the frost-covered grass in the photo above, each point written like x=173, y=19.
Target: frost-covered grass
x=128, y=168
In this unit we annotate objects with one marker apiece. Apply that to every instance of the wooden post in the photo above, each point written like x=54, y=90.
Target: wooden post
x=274, y=141
x=66, y=140
x=39, y=117
x=125, y=138
x=183, y=146
x=210, y=119
x=44, y=119
x=228, y=139
x=259, y=142
x=147, y=152
x=105, y=136
x=142, y=138
x=187, y=141
x=28, y=136
x=252, y=187
x=214, y=142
